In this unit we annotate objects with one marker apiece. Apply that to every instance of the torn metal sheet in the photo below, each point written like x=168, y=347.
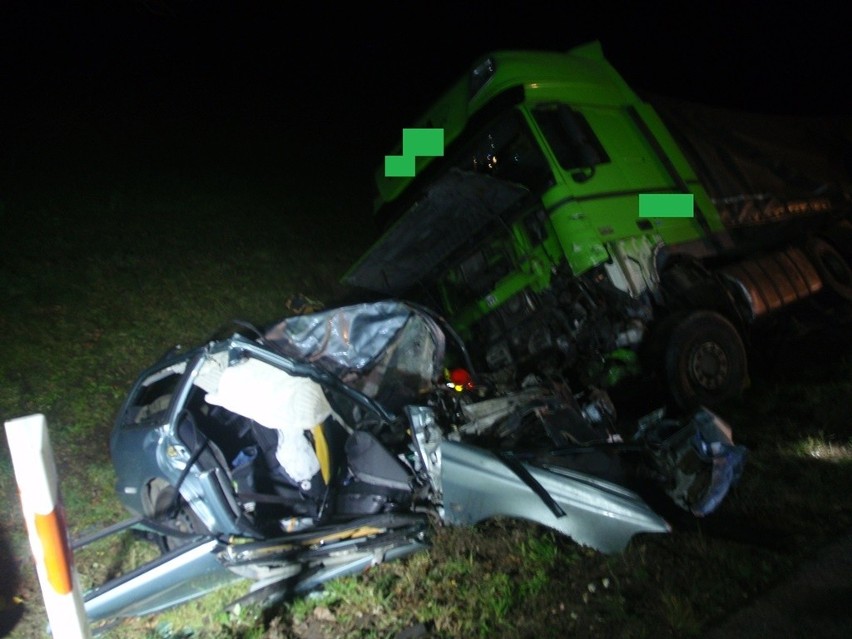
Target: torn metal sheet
x=385, y=444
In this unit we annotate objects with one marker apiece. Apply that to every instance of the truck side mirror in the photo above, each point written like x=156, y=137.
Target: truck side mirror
x=583, y=175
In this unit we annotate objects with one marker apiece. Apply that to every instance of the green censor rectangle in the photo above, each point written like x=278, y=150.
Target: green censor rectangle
x=423, y=142
x=415, y=143
x=666, y=205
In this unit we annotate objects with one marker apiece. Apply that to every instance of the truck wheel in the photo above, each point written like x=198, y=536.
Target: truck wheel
x=840, y=237
x=833, y=267
x=705, y=361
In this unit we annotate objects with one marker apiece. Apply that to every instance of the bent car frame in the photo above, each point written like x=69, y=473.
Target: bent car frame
x=330, y=442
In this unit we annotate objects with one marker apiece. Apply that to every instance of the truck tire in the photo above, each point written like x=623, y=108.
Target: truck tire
x=705, y=361
x=833, y=267
x=840, y=236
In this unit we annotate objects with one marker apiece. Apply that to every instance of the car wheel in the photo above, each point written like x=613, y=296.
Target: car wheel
x=183, y=519
x=705, y=361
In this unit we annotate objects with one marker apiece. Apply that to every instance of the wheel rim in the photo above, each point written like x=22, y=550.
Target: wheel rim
x=708, y=365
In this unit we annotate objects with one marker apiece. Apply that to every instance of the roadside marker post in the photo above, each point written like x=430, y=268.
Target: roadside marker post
x=38, y=486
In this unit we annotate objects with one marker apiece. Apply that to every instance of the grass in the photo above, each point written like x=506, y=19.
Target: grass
x=106, y=264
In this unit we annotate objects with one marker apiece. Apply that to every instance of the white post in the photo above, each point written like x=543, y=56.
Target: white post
x=35, y=472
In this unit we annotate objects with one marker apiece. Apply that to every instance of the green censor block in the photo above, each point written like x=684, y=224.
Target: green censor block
x=666, y=205
x=415, y=143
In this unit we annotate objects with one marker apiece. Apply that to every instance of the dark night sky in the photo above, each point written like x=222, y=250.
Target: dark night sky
x=354, y=74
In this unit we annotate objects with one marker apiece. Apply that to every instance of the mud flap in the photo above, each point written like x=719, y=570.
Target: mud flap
x=478, y=485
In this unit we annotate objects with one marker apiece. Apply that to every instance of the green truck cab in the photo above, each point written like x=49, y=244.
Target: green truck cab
x=527, y=236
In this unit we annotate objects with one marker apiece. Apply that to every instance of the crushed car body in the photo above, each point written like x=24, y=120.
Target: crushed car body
x=329, y=442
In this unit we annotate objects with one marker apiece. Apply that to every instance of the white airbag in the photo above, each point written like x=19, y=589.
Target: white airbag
x=277, y=400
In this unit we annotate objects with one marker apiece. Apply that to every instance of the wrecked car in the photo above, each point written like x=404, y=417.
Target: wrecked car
x=329, y=442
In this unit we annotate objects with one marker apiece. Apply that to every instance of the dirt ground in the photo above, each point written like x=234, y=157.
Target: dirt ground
x=815, y=603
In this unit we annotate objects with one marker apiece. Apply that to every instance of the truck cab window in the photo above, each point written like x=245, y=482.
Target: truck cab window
x=506, y=150
x=573, y=142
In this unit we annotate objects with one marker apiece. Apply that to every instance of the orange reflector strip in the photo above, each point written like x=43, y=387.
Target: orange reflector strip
x=57, y=559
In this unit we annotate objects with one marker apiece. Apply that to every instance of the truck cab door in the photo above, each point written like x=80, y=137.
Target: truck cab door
x=605, y=157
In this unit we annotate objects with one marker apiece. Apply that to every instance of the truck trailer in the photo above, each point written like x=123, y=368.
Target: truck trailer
x=529, y=233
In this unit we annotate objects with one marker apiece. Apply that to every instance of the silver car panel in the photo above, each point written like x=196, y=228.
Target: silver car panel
x=478, y=485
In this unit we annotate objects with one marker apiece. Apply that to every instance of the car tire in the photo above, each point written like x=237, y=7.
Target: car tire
x=705, y=361
x=183, y=520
